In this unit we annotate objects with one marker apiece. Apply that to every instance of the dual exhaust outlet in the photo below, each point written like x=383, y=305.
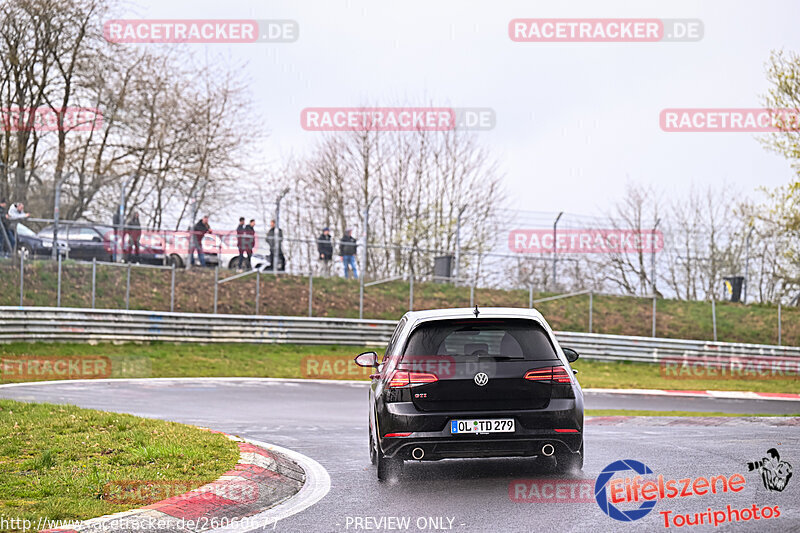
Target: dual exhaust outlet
x=547, y=451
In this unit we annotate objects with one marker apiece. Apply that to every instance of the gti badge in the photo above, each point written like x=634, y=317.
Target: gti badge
x=481, y=379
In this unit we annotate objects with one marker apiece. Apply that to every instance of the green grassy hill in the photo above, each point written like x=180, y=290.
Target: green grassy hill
x=336, y=297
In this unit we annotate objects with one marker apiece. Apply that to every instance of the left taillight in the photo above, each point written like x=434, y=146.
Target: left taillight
x=556, y=374
x=402, y=378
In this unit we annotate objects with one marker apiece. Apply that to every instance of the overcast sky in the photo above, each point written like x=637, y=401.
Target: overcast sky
x=575, y=121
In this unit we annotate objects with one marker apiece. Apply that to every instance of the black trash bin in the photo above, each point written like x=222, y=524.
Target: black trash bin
x=733, y=288
x=442, y=268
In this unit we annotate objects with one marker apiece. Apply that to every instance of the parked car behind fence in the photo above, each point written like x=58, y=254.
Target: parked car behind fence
x=31, y=245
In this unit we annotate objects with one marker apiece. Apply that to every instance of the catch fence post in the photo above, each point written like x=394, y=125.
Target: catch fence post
x=216, y=286
x=21, y=277
x=258, y=287
x=94, y=279
x=714, y=317
x=172, y=290
x=654, y=317
x=310, y=293
x=411, y=292
x=128, y=288
x=58, y=289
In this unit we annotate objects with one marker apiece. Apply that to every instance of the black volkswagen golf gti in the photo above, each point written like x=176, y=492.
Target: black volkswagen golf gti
x=490, y=382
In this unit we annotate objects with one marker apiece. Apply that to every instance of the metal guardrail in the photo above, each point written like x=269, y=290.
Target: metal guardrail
x=111, y=325
x=114, y=325
x=603, y=347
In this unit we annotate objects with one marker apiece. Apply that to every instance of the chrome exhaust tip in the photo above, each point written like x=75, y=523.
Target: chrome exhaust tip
x=548, y=449
x=417, y=453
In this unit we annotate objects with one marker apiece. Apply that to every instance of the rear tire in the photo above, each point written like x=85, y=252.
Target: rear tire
x=175, y=260
x=373, y=456
x=389, y=468
x=23, y=250
x=568, y=462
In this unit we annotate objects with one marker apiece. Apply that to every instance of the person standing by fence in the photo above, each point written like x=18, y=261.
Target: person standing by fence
x=119, y=241
x=325, y=250
x=134, y=231
x=14, y=215
x=249, y=241
x=348, y=249
x=275, y=248
x=4, y=240
x=200, y=230
x=240, y=243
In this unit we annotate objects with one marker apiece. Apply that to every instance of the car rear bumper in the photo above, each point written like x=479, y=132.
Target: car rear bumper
x=454, y=447
x=430, y=431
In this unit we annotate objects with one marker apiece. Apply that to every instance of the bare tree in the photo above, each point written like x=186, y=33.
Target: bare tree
x=638, y=210
x=418, y=181
x=178, y=132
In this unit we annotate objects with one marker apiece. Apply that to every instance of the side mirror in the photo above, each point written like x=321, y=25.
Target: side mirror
x=367, y=359
x=571, y=354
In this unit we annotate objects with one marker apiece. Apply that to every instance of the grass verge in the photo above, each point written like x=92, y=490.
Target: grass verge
x=331, y=362
x=634, y=412
x=60, y=462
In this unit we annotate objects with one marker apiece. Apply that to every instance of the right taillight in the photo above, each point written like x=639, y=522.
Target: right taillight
x=556, y=374
x=402, y=378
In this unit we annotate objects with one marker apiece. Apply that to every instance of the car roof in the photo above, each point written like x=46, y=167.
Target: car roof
x=80, y=224
x=469, y=312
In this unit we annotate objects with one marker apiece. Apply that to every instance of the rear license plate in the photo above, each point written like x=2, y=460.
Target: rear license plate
x=500, y=425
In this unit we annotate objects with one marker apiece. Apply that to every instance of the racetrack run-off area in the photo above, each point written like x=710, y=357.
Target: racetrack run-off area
x=327, y=421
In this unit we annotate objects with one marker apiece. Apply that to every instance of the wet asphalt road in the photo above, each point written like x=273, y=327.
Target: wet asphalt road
x=327, y=422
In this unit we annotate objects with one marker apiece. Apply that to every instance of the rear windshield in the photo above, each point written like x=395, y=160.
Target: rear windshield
x=482, y=338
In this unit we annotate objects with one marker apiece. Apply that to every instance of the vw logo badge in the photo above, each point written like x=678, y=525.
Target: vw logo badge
x=481, y=379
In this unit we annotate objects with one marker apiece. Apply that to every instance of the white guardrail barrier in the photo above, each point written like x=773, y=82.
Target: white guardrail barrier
x=113, y=325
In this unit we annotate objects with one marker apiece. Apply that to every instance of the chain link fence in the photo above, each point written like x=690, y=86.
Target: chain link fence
x=27, y=281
